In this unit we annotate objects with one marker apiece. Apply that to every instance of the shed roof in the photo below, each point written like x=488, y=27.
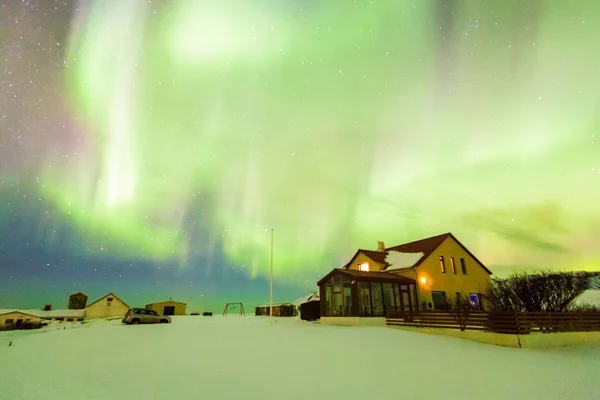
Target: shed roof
x=48, y=314
x=166, y=301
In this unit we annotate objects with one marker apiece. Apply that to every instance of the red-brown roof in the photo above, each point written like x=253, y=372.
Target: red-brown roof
x=368, y=276
x=377, y=256
x=428, y=245
x=425, y=246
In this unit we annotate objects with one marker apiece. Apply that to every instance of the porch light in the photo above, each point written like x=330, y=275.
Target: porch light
x=423, y=280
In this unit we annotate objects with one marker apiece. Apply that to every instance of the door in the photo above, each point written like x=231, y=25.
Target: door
x=19, y=323
x=169, y=310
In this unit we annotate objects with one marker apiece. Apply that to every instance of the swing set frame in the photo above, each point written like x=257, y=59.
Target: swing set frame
x=242, y=312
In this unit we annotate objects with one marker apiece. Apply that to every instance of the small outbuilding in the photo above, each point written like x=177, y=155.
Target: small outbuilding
x=108, y=306
x=14, y=319
x=77, y=301
x=169, y=307
x=279, y=310
x=310, y=310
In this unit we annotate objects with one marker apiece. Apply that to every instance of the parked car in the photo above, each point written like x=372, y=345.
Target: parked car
x=144, y=316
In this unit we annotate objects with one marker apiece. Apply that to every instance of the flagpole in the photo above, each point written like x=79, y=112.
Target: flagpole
x=271, y=282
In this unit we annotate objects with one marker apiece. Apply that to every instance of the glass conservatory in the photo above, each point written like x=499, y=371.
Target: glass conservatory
x=352, y=293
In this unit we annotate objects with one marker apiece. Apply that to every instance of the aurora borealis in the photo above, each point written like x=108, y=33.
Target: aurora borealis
x=148, y=147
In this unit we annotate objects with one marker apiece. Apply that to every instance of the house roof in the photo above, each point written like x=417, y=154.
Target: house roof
x=376, y=276
x=49, y=313
x=428, y=245
x=425, y=246
x=377, y=256
x=107, y=295
x=79, y=294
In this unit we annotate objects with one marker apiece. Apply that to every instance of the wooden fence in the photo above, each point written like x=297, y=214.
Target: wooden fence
x=500, y=322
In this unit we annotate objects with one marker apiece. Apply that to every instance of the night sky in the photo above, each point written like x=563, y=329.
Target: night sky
x=148, y=147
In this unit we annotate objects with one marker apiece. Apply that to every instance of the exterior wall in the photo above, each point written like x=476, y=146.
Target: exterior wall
x=101, y=309
x=477, y=279
x=77, y=301
x=17, y=315
x=180, y=308
x=361, y=259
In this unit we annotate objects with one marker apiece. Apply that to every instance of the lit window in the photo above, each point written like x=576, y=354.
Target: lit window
x=475, y=299
x=363, y=267
x=442, y=265
x=453, y=265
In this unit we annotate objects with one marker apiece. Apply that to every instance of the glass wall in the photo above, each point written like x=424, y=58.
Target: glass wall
x=375, y=299
x=389, y=303
x=364, y=292
x=347, y=298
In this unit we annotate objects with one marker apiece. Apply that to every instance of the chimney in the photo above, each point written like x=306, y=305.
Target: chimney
x=170, y=299
x=381, y=246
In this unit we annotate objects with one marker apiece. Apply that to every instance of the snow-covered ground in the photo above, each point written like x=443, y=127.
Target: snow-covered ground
x=247, y=357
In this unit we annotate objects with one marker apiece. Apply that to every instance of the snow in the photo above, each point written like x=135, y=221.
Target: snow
x=591, y=297
x=398, y=260
x=48, y=314
x=309, y=297
x=237, y=357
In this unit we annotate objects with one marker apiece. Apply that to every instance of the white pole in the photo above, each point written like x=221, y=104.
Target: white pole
x=271, y=282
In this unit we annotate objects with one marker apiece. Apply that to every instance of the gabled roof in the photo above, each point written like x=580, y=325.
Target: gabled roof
x=425, y=246
x=428, y=246
x=22, y=312
x=377, y=256
x=367, y=276
x=79, y=294
x=48, y=314
x=111, y=294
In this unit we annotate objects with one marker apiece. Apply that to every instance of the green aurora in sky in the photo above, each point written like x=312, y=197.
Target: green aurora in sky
x=337, y=124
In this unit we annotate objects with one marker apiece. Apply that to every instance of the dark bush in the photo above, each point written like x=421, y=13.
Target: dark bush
x=541, y=292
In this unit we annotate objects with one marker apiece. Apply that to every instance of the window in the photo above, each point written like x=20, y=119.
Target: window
x=365, y=299
x=463, y=266
x=328, y=304
x=453, y=265
x=363, y=267
x=397, y=297
x=439, y=300
x=377, y=299
x=108, y=304
x=413, y=297
x=347, y=298
x=475, y=299
x=442, y=265
x=388, y=297
x=109, y=299
x=9, y=321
